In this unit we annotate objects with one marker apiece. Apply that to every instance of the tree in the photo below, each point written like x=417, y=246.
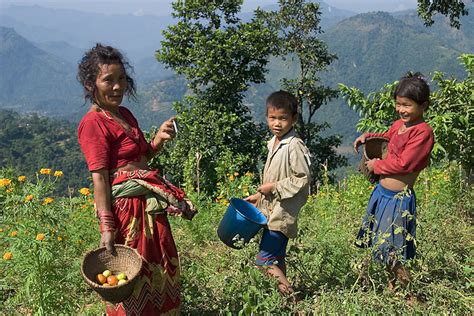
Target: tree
x=297, y=23
x=450, y=113
x=219, y=56
x=452, y=8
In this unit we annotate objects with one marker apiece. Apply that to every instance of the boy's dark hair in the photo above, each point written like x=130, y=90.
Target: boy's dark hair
x=283, y=100
x=415, y=87
x=88, y=69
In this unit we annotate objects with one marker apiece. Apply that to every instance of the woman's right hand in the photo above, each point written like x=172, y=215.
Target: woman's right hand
x=107, y=240
x=358, y=141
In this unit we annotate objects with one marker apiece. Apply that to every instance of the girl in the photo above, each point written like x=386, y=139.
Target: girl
x=132, y=202
x=390, y=222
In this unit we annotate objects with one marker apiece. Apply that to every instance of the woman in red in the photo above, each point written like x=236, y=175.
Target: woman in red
x=132, y=202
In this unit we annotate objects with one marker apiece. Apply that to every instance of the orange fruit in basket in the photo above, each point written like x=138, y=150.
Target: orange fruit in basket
x=112, y=280
x=101, y=279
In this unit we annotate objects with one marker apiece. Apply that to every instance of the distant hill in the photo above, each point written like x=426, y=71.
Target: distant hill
x=33, y=80
x=372, y=49
x=29, y=143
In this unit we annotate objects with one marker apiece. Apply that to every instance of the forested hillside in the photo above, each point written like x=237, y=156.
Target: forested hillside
x=30, y=143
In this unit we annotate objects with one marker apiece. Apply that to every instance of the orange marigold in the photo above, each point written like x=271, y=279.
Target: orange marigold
x=48, y=200
x=7, y=256
x=85, y=191
x=58, y=173
x=45, y=171
x=21, y=178
x=29, y=197
x=5, y=182
x=40, y=237
x=13, y=233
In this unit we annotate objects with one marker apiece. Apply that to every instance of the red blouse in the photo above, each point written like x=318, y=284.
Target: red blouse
x=407, y=152
x=106, y=145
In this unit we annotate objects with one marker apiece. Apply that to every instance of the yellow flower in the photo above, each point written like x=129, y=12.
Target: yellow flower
x=29, y=197
x=40, y=237
x=60, y=238
x=9, y=190
x=85, y=191
x=248, y=174
x=13, y=233
x=5, y=182
x=21, y=178
x=231, y=177
x=45, y=171
x=48, y=200
x=7, y=256
x=236, y=174
x=58, y=173
x=1, y=230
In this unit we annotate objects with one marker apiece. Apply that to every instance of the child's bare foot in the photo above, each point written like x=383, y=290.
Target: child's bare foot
x=285, y=289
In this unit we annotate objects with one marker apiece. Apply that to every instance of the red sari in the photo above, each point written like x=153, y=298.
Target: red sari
x=107, y=145
x=158, y=290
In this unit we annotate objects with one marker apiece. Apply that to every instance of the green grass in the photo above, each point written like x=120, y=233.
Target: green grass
x=323, y=263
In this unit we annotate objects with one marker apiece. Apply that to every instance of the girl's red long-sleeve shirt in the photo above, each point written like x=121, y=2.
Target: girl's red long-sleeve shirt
x=407, y=152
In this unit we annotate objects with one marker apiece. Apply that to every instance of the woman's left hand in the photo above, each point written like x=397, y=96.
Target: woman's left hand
x=165, y=133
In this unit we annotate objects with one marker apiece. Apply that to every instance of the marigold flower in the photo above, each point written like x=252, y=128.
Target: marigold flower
x=13, y=233
x=29, y=197
x=21, y=178
x=7, y=256
x=40, y=237
x=236, y=174
x=58, y=173
x=231, y=177
x=85, y=191
x=48, y=200
x=1, y=230
x=45, y=171
x=60, y=238
x=248, y=174
x=9, y=190
x=5, y=182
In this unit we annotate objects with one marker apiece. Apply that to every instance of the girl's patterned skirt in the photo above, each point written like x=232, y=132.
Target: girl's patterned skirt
x=389, y=226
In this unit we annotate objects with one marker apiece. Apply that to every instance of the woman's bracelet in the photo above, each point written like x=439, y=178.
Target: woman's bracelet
x=106, y=220
x=155, y=147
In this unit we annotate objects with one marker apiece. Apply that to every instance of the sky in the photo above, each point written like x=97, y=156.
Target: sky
x=163, y=7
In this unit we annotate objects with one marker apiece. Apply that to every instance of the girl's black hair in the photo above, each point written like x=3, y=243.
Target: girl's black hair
x=88, y=69
x=283, y=100
x=415, y=87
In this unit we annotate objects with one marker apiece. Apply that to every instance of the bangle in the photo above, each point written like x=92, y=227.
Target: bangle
x=153, y=146
x=106, y=220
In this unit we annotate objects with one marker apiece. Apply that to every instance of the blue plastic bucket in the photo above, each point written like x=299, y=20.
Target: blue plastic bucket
x=242, y=220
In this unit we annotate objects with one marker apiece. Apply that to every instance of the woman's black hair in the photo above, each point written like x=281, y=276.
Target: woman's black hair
x=413, y=86
x=88, y=69
x=283, y=100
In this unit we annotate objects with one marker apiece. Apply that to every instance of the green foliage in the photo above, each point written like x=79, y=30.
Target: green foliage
x=219, y=56
x=42, y=277
x=44, y=237
x=30, y=142
x=450, y=113
x=297, y=23
x=452, y=8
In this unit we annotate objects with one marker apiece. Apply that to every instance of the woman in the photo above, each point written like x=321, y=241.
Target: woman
x=131, y=201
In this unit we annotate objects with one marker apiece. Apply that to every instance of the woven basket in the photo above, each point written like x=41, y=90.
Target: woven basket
x=375, y=147
x=126, y=260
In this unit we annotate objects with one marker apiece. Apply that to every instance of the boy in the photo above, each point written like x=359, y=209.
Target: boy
x=285, y=187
